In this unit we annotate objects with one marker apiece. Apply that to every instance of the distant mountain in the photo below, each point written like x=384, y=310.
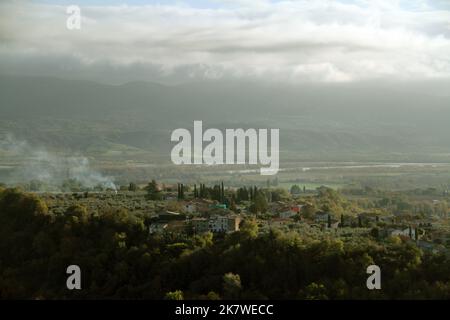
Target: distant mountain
x=332, y=122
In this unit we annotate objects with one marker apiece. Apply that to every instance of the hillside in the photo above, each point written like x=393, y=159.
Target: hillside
x=335, y=122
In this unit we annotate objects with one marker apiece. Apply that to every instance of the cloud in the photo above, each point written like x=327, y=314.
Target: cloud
x=293, y=41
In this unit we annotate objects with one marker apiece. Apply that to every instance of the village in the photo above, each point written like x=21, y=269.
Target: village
x=179, y=210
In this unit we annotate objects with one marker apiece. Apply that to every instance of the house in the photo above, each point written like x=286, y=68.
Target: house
x=157, y=227
x=234, y=223
x=216, y=224
x=291, y=211
x=321, y=217
x=224, y=223
x=201, y=205
x=218, y=206
x=287, y=214
x=408, y=232
x=297, y=208
x=335, y=224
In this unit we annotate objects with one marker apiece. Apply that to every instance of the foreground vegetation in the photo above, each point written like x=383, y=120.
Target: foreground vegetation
x=119, y=259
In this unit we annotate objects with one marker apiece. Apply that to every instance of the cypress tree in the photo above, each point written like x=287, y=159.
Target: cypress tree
x=202, y=191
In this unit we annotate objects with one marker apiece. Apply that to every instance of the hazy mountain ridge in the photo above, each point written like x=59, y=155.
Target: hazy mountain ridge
x=334, y=121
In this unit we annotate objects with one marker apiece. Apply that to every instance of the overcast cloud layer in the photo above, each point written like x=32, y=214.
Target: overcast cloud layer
x=287, y=41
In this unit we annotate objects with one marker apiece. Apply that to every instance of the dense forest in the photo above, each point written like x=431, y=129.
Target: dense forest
x=119, y=259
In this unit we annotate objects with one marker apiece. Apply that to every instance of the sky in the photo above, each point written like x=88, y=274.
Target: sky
x=292, y=42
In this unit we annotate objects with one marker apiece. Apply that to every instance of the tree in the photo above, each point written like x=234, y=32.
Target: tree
x=309, y=210
x=242, y=195
x=203, y=191
x=78, y=212
x=174, y=295
x=212, y=296
x=295, y=189
x=180, y=195
x=36, y=185
x=153, y=191
x=316, y=291
x=249, y=227
x=232, y=203
x=375, y=232
x=231, y=286
x=278, y=194
x=133, y=187
x=259, y=202
x=216, y=193
x=222, y=193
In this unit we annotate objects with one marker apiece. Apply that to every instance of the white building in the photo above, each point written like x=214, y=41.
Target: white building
x=406, y=232
x=224, y=223
x=218, y=224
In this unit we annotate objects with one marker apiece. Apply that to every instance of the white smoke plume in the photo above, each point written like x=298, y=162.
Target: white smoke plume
x=51, y=170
